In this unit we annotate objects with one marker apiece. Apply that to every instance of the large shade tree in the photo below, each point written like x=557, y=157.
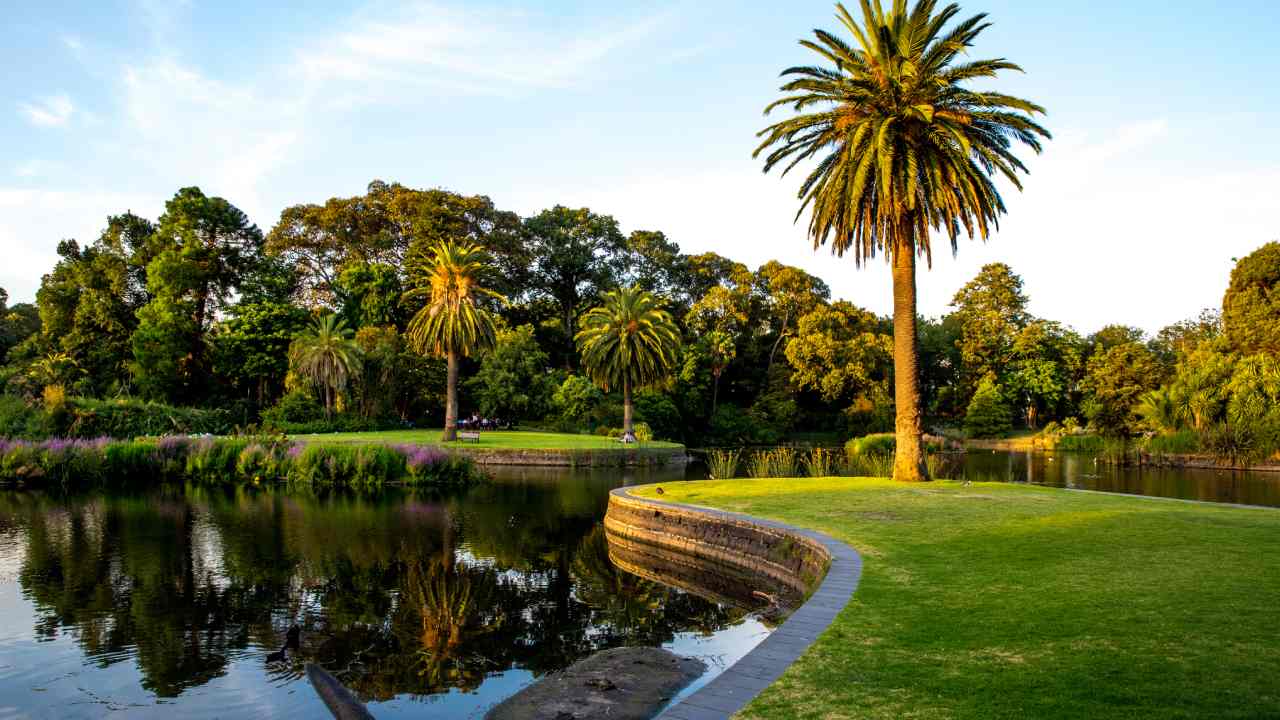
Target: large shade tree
x=903, y=146
x=628, y=342
x=455, y=320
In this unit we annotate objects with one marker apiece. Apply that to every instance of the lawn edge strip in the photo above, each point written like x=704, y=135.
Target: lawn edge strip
x=741, y=682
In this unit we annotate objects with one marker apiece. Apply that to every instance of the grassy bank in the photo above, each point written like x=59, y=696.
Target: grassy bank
x=1000, y=600
x=489, y=440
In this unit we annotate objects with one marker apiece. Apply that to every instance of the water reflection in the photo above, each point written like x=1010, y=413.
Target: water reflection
x=402, y=596
x=1085, y=471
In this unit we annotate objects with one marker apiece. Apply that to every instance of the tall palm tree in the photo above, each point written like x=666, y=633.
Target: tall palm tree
x=903, y=146
x=327, y=356
x=629, y=341
x=455, y=322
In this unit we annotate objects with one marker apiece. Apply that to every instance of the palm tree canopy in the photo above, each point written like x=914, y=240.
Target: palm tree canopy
x=629, y=338
x=902, y=144
x=454, y=318
x=326, y=354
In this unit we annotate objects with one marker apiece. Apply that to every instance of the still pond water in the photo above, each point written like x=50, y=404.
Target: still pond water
x=172, y=602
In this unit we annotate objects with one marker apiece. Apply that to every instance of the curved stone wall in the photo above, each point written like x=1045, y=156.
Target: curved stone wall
x=608, y=457
x=819, y=572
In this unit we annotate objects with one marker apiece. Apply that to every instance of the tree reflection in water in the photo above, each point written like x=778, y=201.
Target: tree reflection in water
x=399, y=594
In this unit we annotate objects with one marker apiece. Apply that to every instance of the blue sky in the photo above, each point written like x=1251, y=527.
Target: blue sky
x=1164, y=167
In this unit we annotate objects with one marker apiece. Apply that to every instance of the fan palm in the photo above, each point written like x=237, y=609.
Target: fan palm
x=455, y=322
x=630, y=342
x=327, y=356
x=903, y=146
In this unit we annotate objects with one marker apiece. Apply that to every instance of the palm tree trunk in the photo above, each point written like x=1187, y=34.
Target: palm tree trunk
x=628, y=427
x=715, y=390
x=328, y=403
x=782, y=332
x=908, y=462
x=451, y=400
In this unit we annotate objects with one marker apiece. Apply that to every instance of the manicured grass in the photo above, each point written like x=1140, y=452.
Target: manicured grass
x=1012, y=601
x=496, y=439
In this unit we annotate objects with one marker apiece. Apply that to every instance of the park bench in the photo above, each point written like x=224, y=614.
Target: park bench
x=472, y=435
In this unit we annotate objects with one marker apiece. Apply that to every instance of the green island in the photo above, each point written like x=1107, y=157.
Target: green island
x=997, y=600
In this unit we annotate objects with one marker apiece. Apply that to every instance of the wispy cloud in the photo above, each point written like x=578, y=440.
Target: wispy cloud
x=53, y=111
x=468, y=49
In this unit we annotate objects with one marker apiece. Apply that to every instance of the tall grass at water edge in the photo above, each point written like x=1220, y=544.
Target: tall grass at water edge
x=227, y=460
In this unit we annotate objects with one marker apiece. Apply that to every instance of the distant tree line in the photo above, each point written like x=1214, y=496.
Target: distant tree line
x=201, y=308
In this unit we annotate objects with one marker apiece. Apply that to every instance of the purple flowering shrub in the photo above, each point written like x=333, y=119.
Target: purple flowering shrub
x=223, y=460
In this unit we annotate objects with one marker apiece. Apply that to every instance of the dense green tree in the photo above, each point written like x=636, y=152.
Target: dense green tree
x=719, y=319
x=842, y=352
x=448, y=280
x=940, y=366
x=992, y=312
x=327, y=356
x=787, y=293
x=1115, y=381
x=1111, y=336
x=577, y=255
x=628, y=342
x=654, y=263
x=87, y=310
x=987, y=415
x=381, y=226
x=201, y=251
x=17, y=323
x=1181, y=338
x=369, y=294
x=903, y=146
x=1045, y=364
x=1251, y=305
x=513, y=382
x=251, y=347
x=700, y=273
x=1198, y=390
x=577, y=400
x=1253, y=410
x=394, y=380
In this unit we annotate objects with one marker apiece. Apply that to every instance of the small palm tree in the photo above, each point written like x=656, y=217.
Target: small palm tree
x=454, y=323
x=628, y=342
x=327, y=355
x=902, y=146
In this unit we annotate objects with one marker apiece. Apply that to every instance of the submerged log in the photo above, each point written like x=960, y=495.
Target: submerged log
x=341, y=703
x=619, y=684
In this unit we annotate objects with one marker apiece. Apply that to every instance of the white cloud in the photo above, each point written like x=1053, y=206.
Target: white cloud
x=470, y=50
x=227, y=138
x=1098, y=236
x=54, y=111
x=33, y=221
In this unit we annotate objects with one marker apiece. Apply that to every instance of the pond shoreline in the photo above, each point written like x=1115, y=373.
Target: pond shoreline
x=824, y=570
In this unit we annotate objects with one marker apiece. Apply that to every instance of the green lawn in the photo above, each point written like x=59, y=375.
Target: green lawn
x=497, y=439
x=1011, y=601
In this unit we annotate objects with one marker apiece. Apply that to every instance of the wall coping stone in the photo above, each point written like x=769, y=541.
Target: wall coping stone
x=741, y=682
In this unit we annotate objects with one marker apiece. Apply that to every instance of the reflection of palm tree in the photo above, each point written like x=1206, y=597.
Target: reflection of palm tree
x=632, y=606
x=455, y=603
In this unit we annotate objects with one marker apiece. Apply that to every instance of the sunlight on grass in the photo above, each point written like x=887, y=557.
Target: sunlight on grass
x=1000, y=600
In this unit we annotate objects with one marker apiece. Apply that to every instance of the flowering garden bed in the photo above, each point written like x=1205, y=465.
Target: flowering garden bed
x=103, y=461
